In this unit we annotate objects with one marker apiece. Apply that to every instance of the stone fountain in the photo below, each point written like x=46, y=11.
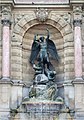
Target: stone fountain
x=43, y=92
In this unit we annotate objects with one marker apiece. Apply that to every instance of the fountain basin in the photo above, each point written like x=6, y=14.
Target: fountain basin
x=43, y=106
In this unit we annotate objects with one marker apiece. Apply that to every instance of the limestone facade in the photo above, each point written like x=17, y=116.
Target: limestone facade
x=66, y=25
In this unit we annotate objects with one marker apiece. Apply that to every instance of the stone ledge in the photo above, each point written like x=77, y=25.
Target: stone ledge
x=18, y=83
x=78, y=81
x=6, y=81
x=43, y=106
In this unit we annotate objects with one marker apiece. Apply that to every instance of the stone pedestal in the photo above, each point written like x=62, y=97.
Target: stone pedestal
x=5, y=96
x=69, y=95
x=79, y=95
x=16, y=94
x=42, y=110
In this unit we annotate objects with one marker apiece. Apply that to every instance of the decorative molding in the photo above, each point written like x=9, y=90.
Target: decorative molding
x=77, y=12
x=42, y=14
x=77, y=9
x=6, y=15
x=18, y=17
x=78, y=81
x=67, y=17
x=41, y=2
x=77, y=22
x=6, y=22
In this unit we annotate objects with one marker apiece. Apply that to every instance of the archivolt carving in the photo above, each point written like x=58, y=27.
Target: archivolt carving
x=55, y=21
x=29, y=21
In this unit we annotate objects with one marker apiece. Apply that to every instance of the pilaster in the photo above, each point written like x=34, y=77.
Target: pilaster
x=6, y=22
x=77, y=12
x=78, y=82
x=5, y=97
x=5, y=83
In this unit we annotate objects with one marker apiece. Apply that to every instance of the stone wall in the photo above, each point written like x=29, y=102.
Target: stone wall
x=24, y=26
x=83, y=42
x=0, y=43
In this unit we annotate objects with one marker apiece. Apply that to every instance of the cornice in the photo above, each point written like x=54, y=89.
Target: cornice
x=19, y=5
x=7, y=2
x=77, y=1
x=24, y=5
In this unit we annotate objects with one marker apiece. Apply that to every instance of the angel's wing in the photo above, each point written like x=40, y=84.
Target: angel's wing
x=52, y=49
x=34, y=52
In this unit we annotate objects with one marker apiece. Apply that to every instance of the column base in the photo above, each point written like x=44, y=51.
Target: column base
x=78, y=81
x=5, y=95
x=5, y=80
x=79, y=99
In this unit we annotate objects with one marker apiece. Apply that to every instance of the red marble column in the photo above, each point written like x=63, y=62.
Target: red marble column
x=78, y=49
x=6, y=49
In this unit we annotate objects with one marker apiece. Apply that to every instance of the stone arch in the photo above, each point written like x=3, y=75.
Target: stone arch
x=27, y=22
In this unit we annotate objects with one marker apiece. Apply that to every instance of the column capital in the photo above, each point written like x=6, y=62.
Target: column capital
x=77, y=22
x=6, y=14
x=77, y=9
x=6, y=22
x=77, y=14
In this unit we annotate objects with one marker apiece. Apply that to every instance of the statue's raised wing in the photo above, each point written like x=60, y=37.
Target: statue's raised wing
x=34, y=52
x=52, y=49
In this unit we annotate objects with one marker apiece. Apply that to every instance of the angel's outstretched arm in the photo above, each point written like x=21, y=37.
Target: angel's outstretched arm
x=48, y=34
x=35, y=39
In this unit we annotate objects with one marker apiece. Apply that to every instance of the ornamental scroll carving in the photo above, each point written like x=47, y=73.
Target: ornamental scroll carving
x=6, y=14
x=42, y=14
x=77, y=10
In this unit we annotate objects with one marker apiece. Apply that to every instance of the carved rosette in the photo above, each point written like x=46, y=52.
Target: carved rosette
x=6, y=15
x=77, y=10
x=42, y=14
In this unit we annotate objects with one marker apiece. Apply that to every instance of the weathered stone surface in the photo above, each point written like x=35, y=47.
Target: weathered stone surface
x=23, y=29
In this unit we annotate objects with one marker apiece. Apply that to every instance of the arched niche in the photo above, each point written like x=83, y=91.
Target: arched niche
x=55, y=35
x=24, y=32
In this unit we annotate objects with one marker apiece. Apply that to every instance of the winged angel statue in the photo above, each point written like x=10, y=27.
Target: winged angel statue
x=40, y=51
x=44, y=87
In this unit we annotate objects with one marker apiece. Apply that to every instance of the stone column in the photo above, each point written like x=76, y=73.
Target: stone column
x=6, y=42
x=78, y=42
x=78, y=82
x=5, y=83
